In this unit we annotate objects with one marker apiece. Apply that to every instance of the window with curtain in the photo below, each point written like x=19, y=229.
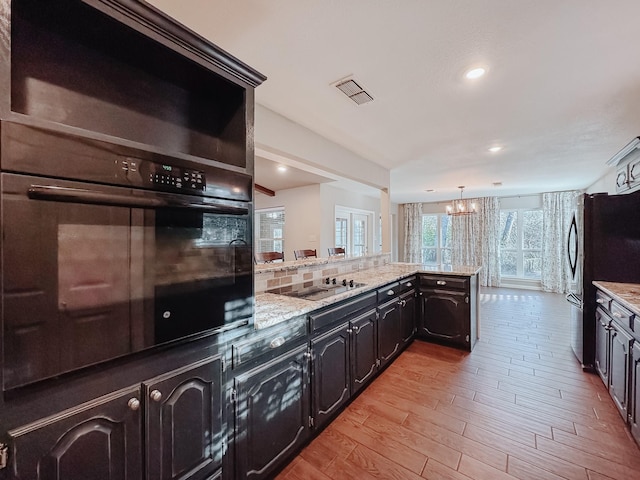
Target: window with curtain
x=521, y=243
x=413, y=232
x=269, y=230
x=436, y=240
x=447, y=241
x=558, y=209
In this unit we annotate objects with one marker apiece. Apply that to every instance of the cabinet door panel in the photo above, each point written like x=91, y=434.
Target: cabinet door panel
x=408, y=316
x=184, y=422
x=364, y=357
x=445, y=315
x=331, y=375
x=634, y=397
x=97, y=441
x=389, y=331
x=619, y=369
x=601, y=362
x=272, y=413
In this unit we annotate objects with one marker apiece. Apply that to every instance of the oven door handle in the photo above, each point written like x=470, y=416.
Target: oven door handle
x=79, y=195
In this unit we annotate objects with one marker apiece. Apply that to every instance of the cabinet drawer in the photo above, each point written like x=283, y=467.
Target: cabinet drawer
x=455, y=283
x=388, y=291
x=408, y=284
x=622, y=315
x=603, y=300
x=272, y=341
x=329, y=316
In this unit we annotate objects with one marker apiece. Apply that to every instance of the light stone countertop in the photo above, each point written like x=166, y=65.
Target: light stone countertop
x=272, y=309
x=627, y=294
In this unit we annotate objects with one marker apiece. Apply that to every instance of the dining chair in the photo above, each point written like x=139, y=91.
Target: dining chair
x=269, y=257
x=304, y=253
x=335, y=251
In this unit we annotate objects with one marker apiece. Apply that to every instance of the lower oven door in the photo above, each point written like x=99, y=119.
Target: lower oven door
x=91, y=273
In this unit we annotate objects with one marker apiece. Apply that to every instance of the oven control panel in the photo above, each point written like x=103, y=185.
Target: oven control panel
x=172, y=176
x=163, y=175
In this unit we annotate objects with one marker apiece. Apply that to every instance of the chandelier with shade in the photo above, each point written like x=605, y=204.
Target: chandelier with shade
x=460, y=207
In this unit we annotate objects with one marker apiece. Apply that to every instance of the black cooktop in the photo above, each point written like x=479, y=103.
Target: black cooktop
x=317, y=290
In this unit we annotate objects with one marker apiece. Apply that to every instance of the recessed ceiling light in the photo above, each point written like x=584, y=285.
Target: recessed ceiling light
x=495, y=149
x=475, y=73
x=282, y=168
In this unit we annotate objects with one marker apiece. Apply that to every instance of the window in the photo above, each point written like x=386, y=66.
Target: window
x=270, y=230
x=341, y=233
x=436, y=240
x=352, y=231
x=521, y=243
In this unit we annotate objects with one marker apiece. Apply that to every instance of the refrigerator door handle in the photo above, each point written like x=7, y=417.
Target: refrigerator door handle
x=573, y=255
x=574, y=300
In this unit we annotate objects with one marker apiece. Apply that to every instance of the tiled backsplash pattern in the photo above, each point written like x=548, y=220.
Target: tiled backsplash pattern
x=278, y=275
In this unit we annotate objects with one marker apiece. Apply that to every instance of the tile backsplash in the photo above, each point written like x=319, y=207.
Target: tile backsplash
x=278, y=275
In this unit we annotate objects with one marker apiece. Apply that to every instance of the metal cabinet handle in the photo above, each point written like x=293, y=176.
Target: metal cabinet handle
x=276, y=342
x=133, y=403
x=307, y=355
x=600, y=301
x=409, y=284
x=441, y=282
x=617, y=314
x=355, y=329
x=156, y=395
x=390, y=292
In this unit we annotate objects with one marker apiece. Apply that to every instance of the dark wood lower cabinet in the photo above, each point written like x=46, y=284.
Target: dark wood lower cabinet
x=180, y=413
x=389, y=330
x=408, y=317
x=445, y=316
x=634, y=392
x=331, y=375
x=344, y=360
x=96, y=441
x=620, y=346
x=601, y=362
x=272, y=412
x=184, y=437
x=364, y=351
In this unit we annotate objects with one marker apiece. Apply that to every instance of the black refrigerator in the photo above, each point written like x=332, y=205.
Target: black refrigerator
x=603, y=244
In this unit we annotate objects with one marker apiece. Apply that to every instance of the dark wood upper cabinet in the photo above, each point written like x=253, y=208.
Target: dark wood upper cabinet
x=123, y=71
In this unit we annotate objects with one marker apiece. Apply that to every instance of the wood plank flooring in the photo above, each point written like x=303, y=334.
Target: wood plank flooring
x=517, y=407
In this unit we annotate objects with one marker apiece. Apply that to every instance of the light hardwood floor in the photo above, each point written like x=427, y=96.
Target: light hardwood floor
x=518, y=406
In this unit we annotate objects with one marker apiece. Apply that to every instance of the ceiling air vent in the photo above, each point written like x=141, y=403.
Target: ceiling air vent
x=354, y=91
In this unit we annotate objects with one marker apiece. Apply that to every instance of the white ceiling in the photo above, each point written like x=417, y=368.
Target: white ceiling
x=268, y=175
x=562, y=92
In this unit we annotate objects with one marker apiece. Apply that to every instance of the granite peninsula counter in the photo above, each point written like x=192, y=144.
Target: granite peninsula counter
x=373, y=271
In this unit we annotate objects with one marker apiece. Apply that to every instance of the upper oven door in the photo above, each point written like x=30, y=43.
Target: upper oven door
x=92, y=272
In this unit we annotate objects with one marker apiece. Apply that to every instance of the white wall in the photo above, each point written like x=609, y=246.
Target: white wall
x=309, y=215
x=330, y=197
x=302, y=219
x=606, y=183
x=278, y=135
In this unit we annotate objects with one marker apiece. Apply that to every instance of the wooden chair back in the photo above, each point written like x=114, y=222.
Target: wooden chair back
x=268, y=257
x=337, y=251
x=304, y=253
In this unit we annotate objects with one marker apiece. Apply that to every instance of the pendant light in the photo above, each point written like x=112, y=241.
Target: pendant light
x=461, y=207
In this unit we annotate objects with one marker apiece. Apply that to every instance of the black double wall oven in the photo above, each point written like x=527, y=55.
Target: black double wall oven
x=109, y=250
